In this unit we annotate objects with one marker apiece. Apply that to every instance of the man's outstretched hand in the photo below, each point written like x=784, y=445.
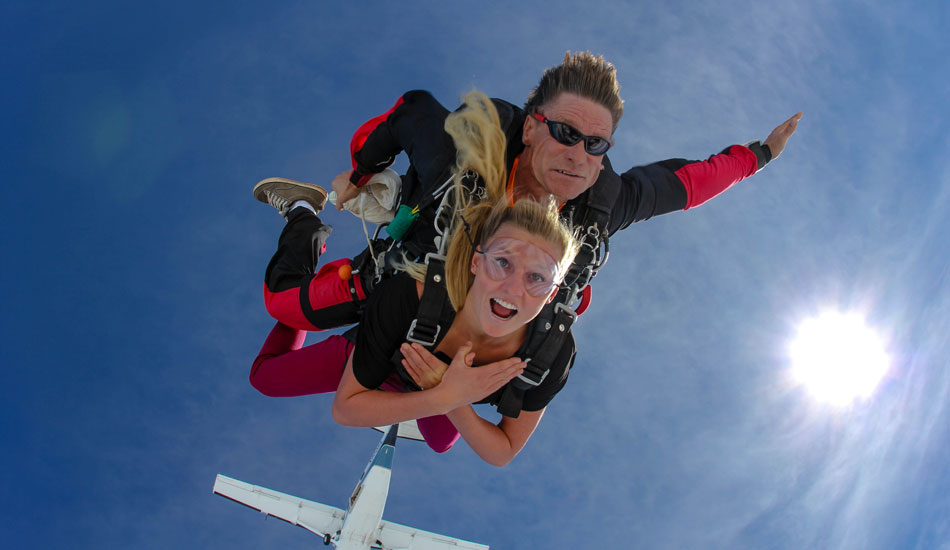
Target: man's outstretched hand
x=779, y=136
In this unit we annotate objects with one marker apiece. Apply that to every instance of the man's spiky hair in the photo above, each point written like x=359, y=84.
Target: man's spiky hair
x=582, y=74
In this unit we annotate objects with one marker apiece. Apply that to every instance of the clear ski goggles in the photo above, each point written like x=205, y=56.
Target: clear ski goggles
x=565, y=134
x=506, y=257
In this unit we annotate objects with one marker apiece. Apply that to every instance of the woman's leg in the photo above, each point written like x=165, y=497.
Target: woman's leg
x=285, y=369
x=439, y=432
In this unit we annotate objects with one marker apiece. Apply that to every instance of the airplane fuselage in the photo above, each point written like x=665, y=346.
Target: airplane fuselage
x=361, y=524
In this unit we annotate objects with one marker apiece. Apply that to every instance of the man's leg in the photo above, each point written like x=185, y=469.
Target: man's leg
x=294, y=292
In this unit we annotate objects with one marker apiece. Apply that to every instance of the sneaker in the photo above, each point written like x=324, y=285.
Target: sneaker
x=281, y=193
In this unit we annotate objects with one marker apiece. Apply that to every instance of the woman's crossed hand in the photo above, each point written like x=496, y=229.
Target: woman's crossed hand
x=461, y=383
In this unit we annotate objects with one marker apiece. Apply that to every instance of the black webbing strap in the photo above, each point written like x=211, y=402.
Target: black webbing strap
x=554, y=322
x=425, y=328
x=511, y=401
x=338, y=315
x=543, y=350
x=544, y=356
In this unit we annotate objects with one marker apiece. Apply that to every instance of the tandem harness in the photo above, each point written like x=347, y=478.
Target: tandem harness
x=590, y=216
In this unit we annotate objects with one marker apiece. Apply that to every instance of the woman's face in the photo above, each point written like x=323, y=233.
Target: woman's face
x=515, y=275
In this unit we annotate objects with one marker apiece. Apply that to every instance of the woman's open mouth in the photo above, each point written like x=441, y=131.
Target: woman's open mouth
x=502, y=309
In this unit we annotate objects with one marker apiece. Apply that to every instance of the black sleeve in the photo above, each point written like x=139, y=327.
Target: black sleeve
x=646, y=191
x=416, y=125
x=386, y=318
x=679, y=184
x=539, y=397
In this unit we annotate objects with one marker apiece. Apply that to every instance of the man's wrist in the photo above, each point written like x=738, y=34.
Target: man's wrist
x=359, y=179
x=763, y=153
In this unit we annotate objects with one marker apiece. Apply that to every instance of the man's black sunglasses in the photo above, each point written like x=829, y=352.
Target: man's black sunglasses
x=565, y=134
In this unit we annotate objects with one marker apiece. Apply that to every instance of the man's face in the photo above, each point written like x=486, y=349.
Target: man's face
x=561, y=170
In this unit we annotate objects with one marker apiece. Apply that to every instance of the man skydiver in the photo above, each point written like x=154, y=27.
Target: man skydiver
x=556, y=147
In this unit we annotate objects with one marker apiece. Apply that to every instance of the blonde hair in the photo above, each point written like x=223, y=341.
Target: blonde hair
x=481, y=144
x=583, y=74
x=484, y=220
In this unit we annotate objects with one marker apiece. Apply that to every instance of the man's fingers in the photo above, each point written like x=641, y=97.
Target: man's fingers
x=780, y=135
x=787, y=127
x=791, y=124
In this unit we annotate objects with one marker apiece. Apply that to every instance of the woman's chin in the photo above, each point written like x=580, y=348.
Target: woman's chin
x=497, y=327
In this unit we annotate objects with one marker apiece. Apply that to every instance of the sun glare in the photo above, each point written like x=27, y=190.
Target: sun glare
x=838, y=358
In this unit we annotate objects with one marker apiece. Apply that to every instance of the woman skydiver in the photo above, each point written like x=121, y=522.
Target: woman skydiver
x=504, y=262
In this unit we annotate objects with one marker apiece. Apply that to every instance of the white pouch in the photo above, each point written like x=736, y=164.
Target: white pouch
x=376, y=202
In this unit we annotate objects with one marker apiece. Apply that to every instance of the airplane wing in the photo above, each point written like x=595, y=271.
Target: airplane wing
x=399, y=537
x=312, y=516
x=408, y=429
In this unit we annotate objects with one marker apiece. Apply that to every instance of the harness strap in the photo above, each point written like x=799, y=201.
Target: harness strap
x=511, y=400
x=564, y=318
x=425, y=328
x=555, y=320
x=304, y=296
x=552, y=325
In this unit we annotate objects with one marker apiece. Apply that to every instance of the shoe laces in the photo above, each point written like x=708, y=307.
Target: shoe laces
x=280, y=203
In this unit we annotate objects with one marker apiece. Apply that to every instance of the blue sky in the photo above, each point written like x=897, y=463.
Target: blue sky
x=135, y=254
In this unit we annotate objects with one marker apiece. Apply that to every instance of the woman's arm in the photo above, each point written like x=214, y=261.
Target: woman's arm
x=356, y=405
x=495, y=444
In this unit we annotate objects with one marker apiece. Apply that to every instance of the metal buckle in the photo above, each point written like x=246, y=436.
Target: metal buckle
x=411, y=338
x=434, y=255
x=531, y=382
x=559, y=307
x=436, y=222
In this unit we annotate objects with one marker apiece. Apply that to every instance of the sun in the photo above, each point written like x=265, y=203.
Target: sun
x=837, y=358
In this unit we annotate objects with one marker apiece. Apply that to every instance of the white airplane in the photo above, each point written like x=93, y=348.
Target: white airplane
x=360, y=527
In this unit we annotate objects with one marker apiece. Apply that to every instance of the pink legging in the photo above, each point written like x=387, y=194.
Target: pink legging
x=284, y=368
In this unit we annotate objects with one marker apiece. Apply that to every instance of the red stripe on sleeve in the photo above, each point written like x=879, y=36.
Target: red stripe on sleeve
x=362, y=134
x=705, y=179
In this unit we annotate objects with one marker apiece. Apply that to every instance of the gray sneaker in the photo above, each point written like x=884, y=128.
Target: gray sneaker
x=281, y=193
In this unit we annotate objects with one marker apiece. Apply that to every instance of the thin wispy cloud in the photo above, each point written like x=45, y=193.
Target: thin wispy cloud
x=136, y=254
